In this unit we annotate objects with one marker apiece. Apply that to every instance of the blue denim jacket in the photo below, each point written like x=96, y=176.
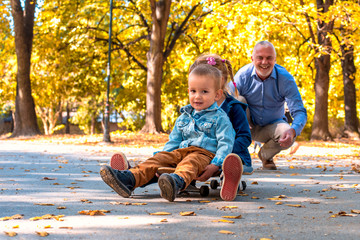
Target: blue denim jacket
x=210, y=129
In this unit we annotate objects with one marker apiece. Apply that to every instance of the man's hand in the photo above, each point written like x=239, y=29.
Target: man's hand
x=287, y=138
x=207, y=173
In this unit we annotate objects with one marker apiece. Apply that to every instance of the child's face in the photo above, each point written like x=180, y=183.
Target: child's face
x=202, y=92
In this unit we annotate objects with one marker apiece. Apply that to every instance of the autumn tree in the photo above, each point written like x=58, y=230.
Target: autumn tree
x=347, y=15
x=152, y=29
x=25, y=117
x=322, y=46
x=7, y=60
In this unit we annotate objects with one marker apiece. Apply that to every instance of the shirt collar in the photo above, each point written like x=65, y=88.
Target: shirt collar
x=254, y=75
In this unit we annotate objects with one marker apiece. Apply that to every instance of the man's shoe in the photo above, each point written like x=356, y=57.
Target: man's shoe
x=119, y=162
x=232, y=172
x=267, y=164
x=170, y=185
x=121, y=181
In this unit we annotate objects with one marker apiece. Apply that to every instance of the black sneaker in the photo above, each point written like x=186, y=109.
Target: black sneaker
x=121, y=181
x=168, y=187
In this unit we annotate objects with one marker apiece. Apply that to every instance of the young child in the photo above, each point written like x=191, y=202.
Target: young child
x=235, y=109
x=233, y=167
x=203, y=134
x=235, y=164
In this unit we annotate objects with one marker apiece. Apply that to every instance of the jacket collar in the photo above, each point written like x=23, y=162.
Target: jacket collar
x=189, y=109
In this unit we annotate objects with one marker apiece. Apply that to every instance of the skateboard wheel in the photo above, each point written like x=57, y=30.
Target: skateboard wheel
x=214, y=184
x=243, y=185
x=204, y=191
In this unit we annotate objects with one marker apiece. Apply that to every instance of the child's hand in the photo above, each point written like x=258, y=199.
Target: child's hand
x=208, y=172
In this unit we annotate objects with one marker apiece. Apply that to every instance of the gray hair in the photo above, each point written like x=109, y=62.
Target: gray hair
x=265, y=43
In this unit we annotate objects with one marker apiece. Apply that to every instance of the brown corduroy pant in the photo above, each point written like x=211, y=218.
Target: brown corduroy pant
x=188, y=163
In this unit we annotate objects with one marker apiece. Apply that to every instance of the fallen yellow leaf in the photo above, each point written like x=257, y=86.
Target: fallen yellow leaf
x=233, y=217
x=355, y=211
x=230, y=207
x=47, y=216
x=187, y=214
x=275, y=199
x=44, y=204
x=15, y=226
x=91, y=212
x=11, y=234
x=5, y=218
x=226, y=232
x=35, y=218
x=223, y=220
x=294, y=205
x=278, y=203
x=344, y=214
x=42, y=234
x=17, y=216
x=96, y=213
x=163, y=220
x=160, y=213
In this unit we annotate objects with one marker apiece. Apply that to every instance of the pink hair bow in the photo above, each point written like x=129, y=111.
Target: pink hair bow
x=211, y=61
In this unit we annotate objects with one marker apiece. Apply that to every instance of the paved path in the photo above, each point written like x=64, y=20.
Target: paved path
x=310, y=193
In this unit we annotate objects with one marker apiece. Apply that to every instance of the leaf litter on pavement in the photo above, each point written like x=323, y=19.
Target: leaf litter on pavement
x=324, y=165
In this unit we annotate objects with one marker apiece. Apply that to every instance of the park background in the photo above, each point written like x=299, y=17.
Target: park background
x=55, y=55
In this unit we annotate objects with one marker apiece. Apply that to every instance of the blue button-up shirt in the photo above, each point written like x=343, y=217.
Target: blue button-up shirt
x=266, y=98
x=210, y=129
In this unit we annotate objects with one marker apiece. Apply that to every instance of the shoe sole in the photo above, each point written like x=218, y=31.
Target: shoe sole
x=167, y=187
x=109, y=178
x=232, y=171
x=119, y=162
x=270, y=168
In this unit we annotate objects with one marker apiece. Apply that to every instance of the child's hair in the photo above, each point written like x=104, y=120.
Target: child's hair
x=208, y=70
x=223, y=65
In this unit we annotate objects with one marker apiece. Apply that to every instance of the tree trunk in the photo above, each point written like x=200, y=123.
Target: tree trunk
x=160, y=11
x=25, y=116
x=93, y=124
x=349, y=70
x=67, y=124
x=320, y=128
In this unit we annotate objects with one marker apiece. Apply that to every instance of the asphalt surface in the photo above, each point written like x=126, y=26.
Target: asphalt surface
x=308, y=197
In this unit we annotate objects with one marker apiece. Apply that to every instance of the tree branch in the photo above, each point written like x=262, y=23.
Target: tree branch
x=142, y=17
x=312, y=35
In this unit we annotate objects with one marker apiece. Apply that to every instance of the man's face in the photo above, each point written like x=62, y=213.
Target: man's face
x=264, y=59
